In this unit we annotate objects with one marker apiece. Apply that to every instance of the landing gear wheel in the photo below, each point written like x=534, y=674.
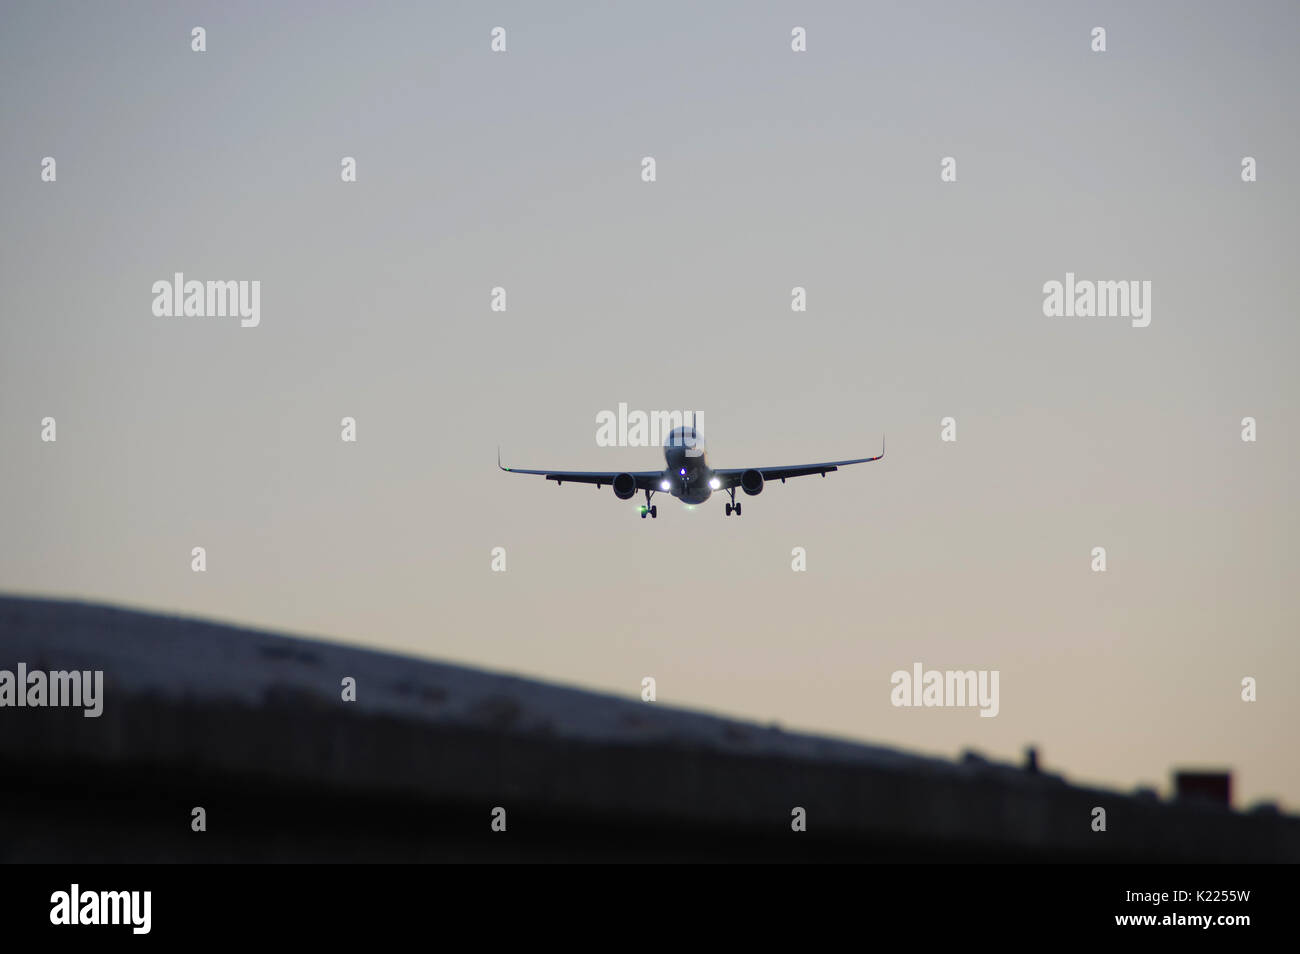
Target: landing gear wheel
x=643, y=513
x=733, y=507
x=654, y=511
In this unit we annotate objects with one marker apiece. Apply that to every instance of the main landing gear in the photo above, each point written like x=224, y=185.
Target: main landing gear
x=733, y=507
x=647, y=509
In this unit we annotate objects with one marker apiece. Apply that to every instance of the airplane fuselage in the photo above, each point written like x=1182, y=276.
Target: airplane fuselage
x=687, y=474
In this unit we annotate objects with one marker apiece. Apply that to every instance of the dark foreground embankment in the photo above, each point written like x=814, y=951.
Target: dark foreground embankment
x=252, y=727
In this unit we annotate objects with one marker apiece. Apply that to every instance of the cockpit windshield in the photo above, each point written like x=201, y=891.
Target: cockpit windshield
x=681, y=437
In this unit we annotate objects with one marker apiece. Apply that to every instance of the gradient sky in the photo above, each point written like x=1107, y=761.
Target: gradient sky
x=775, y=169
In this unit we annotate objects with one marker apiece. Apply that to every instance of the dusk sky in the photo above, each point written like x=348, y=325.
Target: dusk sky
x=775, y=169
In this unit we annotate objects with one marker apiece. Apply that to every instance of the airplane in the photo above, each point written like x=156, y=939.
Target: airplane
x=687, y=476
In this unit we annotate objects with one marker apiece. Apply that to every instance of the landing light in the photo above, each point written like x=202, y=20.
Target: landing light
x=682, y=472
x=715, y=483
x=665, y=486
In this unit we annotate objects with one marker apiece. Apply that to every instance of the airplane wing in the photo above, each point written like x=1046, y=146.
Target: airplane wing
x=645, y=479
x=730, y=476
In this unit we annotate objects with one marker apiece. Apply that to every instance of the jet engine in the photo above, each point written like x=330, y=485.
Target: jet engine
x=624, y=486
x=751, y=482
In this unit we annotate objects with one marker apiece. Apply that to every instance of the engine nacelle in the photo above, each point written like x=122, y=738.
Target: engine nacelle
x=751, y=482
x=624, y=486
